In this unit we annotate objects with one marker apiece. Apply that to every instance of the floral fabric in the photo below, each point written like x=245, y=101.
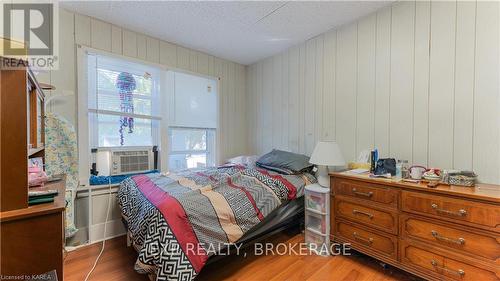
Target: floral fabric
x=61, y=157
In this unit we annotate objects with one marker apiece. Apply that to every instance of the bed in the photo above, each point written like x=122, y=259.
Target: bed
x=178, y=221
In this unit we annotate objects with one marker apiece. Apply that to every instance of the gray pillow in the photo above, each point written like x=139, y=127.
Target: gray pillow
x=284, y=160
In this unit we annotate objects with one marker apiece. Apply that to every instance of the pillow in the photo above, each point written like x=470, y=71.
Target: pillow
x=280, y=170
x=285, y=162
x=245, y=160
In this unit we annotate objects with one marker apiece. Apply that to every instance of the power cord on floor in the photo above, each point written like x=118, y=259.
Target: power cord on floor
x=104, y=236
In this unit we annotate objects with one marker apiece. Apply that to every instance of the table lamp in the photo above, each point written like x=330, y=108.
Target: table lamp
x=326, y=153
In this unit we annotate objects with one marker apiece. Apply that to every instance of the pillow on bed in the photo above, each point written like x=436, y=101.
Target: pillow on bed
x=285, y=162
x=280, y=170
x=245, y=160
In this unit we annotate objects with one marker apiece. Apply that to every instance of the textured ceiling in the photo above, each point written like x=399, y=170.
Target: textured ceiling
x=243, y=32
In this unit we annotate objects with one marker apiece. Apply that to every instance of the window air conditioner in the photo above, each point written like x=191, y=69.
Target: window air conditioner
x=122, y=161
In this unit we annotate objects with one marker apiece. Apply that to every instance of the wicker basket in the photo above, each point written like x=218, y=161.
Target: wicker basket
x=462, y=180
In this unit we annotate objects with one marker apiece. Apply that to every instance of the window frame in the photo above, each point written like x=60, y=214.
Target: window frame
x=211, y=142
x=82, y=124
x=118, y=65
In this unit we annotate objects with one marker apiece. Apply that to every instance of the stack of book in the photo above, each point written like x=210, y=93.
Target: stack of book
x=41, y=196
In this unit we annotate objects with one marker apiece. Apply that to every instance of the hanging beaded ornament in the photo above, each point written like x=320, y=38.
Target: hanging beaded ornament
x=125, y=83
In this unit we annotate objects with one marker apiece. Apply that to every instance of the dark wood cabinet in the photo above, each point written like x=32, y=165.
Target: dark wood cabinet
x=14, y=139
x=443, y=233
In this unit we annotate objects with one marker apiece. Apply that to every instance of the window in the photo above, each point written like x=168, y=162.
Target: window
x=123, y=103
x=130, y=105
x=193, y=121
x=191, y=148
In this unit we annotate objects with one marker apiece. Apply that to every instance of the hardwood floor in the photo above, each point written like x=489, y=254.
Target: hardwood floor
x=117, y=263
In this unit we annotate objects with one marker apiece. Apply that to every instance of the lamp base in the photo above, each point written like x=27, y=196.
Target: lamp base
x=322, y=176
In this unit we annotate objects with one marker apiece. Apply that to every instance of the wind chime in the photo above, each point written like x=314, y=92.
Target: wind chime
x=125, y=83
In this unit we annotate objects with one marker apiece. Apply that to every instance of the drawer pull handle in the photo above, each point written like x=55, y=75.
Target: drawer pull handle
x=459, y=272
x=366, y=241
x=356, y=212
x=365, y=194
x=459, y=213
x=459, y=241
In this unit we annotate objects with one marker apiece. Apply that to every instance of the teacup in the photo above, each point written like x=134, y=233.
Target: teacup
x=416, y=172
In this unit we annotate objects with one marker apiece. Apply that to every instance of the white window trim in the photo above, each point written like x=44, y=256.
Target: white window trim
x=82, y=123
x=82, y=120
x=207, y=151
x=83, y=110
x=111, y=63
x=117, y=113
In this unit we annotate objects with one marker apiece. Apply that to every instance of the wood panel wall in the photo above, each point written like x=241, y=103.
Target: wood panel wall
x=418, y=80
x=87, y=31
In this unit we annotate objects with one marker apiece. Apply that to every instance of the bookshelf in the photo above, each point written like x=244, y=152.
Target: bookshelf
x=32, y=237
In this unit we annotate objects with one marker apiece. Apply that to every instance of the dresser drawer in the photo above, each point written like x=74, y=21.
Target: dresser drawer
x=378, y=218
x=453, y=237
x=472, y=213
x=384, y=244
x=372, y=192
x=444, y=266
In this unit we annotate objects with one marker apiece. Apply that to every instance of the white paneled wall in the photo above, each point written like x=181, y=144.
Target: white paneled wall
x=79, y=29
x=421, y=83
x=418, y=80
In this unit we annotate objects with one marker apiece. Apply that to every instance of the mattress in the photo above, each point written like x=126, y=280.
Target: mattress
x=175, y=221
x=285, y=215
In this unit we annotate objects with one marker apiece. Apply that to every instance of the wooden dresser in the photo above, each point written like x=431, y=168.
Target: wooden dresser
x=443, y=233
x=31, y=237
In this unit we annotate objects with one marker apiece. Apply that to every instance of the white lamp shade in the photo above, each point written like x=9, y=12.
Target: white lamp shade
x=327, y=153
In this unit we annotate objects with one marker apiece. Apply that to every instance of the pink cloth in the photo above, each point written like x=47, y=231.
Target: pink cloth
x=36, y=176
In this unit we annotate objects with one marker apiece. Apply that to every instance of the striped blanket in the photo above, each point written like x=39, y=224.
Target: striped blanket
x=176, y=220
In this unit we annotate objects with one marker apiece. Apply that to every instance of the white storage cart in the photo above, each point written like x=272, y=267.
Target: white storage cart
x=317, y=218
